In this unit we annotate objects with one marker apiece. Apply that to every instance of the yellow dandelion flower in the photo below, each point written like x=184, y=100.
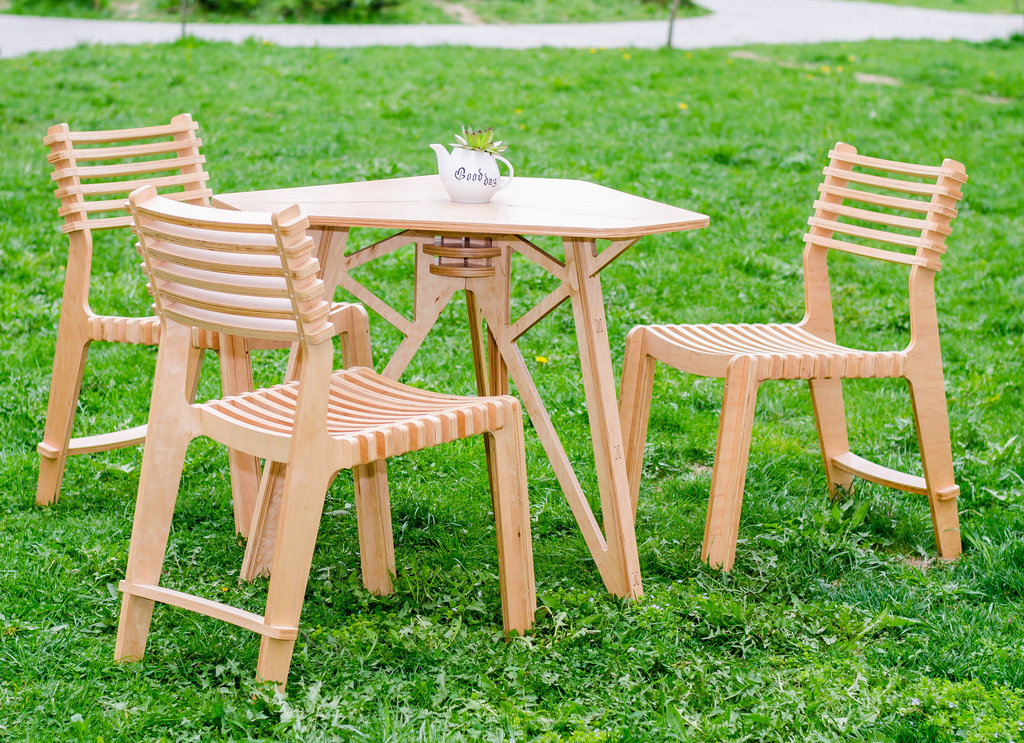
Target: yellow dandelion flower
x=541, y=359
x=826, y=69
x=593, y=50
x=683, y=107
x=519, y=110
x=851, y=58
x=688, y=55
x=839, y=68
x=626, y=57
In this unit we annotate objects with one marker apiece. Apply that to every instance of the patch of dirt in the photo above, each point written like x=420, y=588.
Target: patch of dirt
x=918, y=563
x=861, y=77
x=460, y=13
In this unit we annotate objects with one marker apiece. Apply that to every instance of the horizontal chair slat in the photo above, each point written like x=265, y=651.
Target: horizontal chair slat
x=891, y=220
x=107, y=223
x=893, y=238
x=254, y=285
x=243, y=263
x=94, y=154
x=250, y=327
x=891, y=184
x=863, y=250
x=118, y=135
x=885, y=200
x=128, y=169
x=216, y=219
x=119, y=187
x=893, y=166
x=169, y=235
x=274, y=308
x=95, y=206
x=238, y=617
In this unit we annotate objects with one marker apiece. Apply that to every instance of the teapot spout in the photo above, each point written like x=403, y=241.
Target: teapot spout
x=443, y=158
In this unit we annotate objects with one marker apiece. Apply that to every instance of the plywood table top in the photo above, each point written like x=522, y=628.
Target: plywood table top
x=528, y=206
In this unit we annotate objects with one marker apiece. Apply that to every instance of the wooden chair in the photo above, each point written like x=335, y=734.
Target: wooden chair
x=864, y=209
x=95, y=171
x=255, y=275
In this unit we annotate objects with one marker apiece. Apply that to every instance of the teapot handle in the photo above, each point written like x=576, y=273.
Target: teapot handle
x=505, y=180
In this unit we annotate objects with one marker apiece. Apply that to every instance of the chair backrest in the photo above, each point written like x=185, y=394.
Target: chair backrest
x=885, y=210
x=243, y=273
x=94, y=196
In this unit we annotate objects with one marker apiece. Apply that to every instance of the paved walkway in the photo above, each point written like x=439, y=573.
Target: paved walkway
x=731, y=23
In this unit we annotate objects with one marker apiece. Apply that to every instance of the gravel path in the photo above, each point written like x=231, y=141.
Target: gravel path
x=731, y=23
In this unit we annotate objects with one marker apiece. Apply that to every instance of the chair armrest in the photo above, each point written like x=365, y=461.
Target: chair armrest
x=352, y=325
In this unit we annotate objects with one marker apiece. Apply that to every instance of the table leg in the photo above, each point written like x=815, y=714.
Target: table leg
x=602, y=407
x=614, y=550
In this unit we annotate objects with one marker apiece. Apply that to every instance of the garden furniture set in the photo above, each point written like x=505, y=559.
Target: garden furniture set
x=256, y=270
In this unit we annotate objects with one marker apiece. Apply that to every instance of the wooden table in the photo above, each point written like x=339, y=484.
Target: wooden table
x=469, y=247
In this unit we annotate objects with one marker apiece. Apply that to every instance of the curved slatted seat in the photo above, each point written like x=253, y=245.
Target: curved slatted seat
x=868, y=207
x=369, y=414
x=779, y=352
x=213, y=271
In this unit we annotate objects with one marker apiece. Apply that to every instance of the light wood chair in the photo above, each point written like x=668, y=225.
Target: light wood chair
x=865, y=208
x=94, y=172
x=255, y=275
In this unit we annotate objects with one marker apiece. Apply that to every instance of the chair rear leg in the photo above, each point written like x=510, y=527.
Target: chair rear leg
x=928, y=397
x=830, y=418
x=511, y=504
x=635, y=407
x=236, y=377
x=65, y=387
x=730, y=471
x=373, y=519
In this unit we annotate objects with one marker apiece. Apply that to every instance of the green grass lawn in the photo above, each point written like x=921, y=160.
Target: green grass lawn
x=832, y=625
x=360, y=11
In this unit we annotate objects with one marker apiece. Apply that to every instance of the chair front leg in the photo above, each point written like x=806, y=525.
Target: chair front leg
x=171, y=428
x=302, y=504
x=730, y=471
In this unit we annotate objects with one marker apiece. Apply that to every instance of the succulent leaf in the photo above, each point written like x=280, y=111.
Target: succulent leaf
x=479, y=139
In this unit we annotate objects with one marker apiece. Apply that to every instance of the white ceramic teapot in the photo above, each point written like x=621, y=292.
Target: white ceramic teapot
x=471, y=176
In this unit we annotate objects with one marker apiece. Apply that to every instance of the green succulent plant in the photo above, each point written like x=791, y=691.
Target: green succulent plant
x=479, y=139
